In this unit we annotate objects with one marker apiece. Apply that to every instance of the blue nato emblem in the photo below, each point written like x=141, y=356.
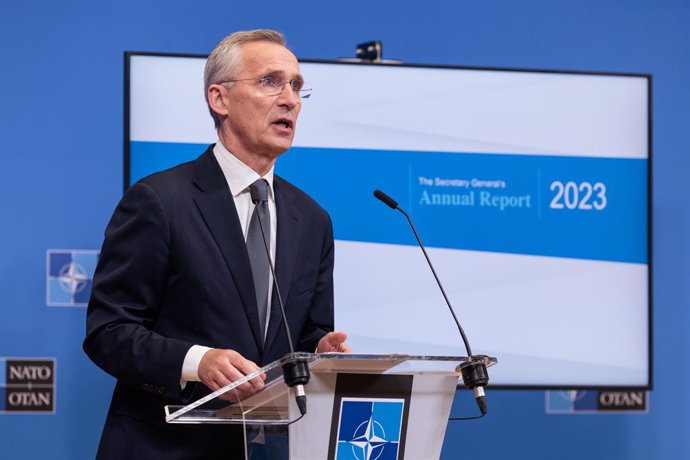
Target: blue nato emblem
x=571, y=401
x=369, y=429
x=70, y=277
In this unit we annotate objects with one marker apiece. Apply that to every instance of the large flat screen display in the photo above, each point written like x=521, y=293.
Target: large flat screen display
x=529, y=188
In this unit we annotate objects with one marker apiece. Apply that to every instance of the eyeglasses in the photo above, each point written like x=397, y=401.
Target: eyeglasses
x=272, y=86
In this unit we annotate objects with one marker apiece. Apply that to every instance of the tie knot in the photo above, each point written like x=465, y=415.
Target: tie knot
x=259, y=191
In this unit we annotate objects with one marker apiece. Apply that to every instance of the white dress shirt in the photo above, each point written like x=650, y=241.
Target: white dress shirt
x=239, y=177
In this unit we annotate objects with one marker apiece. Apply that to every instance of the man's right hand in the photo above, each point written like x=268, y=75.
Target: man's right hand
x=219, y=367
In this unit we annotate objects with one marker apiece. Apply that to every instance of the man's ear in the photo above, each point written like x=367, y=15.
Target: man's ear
x=217, y=99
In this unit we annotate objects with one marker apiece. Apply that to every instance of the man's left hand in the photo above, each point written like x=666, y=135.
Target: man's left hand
x=333, y=341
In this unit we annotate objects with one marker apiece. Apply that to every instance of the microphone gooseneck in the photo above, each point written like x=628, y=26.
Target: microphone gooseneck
x=295, y=373
x=474, y=374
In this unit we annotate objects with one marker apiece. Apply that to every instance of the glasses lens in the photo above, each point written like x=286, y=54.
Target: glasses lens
x=272, y=87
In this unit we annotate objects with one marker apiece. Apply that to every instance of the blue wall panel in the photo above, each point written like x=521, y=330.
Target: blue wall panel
x=61, y=92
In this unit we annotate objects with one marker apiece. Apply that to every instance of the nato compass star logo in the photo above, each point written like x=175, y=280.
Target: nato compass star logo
x=73, y=278
x=69, y=277
x=369, y=444
x=369, y=429
x=570, y=401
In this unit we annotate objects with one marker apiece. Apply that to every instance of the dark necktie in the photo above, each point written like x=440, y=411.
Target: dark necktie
x=257, y=250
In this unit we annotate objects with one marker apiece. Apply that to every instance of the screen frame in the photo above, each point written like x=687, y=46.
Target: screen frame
x=128, y=55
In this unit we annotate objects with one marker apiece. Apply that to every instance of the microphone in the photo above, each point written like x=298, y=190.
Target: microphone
x=474, y=374
x=386, y=199
x=295, y=373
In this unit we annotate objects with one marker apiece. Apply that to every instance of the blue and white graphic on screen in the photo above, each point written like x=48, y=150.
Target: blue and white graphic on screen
x=592, y=208
x=579, y=207
x=69, y=277
x=369, y=429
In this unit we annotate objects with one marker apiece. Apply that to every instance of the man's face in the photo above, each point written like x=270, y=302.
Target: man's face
x=261, y=125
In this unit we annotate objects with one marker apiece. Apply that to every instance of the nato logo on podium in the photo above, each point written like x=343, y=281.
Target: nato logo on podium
x=369, y=429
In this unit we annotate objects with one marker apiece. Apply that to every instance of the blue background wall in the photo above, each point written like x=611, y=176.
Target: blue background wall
x=61, y=93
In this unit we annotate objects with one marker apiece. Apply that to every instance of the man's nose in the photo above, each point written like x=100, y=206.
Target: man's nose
x=289, y=96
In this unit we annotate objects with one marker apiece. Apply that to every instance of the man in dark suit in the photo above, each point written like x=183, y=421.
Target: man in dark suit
x=176, y=309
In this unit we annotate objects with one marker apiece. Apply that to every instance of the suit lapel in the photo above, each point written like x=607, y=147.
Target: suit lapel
x=287, y=248
x=217, y=207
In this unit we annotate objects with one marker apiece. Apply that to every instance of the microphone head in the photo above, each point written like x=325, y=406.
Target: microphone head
x=386, y=199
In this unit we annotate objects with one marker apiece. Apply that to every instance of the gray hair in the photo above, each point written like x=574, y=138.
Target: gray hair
x=222, y=62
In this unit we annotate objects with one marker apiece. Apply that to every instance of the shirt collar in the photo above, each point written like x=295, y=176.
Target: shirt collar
x=238, y=175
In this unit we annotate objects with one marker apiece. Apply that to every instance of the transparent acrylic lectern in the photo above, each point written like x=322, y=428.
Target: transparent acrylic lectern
x=357, y=403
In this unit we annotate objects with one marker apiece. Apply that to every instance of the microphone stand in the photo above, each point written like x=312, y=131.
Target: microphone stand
x=474, y=374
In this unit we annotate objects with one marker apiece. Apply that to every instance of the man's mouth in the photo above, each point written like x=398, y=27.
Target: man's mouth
x=285, y=123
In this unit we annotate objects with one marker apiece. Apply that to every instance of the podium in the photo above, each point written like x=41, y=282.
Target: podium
x=359, y=406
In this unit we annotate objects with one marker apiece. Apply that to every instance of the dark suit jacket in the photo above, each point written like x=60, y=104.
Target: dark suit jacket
x=173, y=272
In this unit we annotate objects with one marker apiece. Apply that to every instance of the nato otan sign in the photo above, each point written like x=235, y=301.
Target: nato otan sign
x=27, y=385
x=595, y=401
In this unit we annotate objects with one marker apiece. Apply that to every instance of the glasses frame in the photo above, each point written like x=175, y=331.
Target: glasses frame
x=303, y=93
